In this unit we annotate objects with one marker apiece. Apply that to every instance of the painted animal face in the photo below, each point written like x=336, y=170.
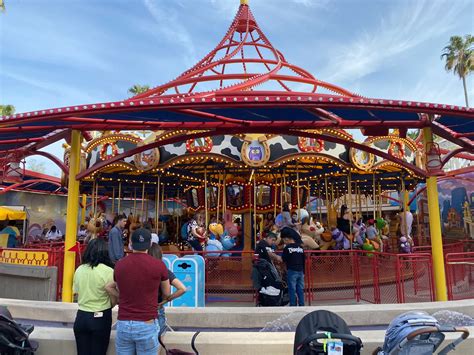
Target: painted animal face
x=255, y=153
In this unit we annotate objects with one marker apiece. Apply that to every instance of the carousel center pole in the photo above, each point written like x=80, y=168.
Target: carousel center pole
x=71, y=219
x=435, y=227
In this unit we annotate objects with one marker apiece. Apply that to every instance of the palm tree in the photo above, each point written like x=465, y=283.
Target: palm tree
x=138, y=89
x=7, y=110
x=459, y=56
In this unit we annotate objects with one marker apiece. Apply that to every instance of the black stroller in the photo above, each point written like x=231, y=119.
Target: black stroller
x=418, y=333
x=324, y=332
x=269, y=285
x=14, y=337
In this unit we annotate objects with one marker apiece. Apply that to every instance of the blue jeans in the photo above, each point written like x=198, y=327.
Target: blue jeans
x=135, y=337
x=162, y=321
x=296, y=287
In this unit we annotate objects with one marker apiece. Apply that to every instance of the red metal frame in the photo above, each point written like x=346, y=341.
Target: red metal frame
x=243, y=33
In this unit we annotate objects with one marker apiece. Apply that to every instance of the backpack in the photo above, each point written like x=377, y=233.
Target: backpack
x=184, y=231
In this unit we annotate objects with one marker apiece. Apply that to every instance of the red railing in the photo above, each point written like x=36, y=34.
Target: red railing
x=454, y=247
x=330, y=275
x=460, y=275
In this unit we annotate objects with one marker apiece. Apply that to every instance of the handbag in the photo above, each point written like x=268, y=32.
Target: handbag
x=181, y=352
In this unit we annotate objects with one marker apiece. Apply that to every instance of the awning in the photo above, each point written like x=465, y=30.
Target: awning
x=10, y=214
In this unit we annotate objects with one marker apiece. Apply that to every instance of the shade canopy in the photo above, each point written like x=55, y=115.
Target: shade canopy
x=11, y=214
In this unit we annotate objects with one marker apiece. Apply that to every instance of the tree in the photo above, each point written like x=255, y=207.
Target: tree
x=138, y=89
x=2, y=6
x=459, y=56
x=7, y=110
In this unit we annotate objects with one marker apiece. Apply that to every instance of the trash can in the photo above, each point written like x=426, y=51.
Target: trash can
x=190, y=270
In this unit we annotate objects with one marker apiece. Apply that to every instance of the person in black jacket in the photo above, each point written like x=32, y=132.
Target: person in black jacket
x=293, y=257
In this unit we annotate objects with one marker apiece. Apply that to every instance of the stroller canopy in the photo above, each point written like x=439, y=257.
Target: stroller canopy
x=320, y=322
x=405, y=324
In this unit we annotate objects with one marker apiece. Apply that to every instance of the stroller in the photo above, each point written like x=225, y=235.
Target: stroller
x=418, y=333
x=324, y=332
x=269, y=284
x=14, y=337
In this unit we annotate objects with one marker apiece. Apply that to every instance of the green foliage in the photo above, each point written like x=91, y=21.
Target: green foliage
x=459, y=58
x=7, y=110
x=138, y=89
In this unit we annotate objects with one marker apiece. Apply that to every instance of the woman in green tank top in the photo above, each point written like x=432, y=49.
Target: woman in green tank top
x=94, y=317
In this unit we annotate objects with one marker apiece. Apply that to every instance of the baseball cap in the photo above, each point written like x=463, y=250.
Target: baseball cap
x=141, y=239
x=289, y=233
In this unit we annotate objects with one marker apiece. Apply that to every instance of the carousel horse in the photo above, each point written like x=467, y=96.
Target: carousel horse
x=325, y=240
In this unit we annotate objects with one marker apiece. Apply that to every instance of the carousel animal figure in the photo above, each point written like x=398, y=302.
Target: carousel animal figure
x=405, y=246
x=373, y=235
x=309, y=234
x=342, y=242
x=213, y=243
x=96, y=226
x=358, y=238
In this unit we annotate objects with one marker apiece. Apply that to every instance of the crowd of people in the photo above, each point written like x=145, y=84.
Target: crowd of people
x=139, y=283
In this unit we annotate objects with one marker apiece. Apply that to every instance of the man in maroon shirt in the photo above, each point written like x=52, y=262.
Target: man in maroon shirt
x=138, y=278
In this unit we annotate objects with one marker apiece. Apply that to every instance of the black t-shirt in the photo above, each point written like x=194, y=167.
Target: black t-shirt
x=262, y=250
x=171, y=277
x=293, y=256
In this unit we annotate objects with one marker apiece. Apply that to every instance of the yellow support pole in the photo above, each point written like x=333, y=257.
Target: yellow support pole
x=435, y=228
x=72, y=214
x=83, y=209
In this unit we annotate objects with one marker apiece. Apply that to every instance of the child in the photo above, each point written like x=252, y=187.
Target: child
x=293, y=257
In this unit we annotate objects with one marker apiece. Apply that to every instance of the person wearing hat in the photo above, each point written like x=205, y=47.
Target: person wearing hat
x=138, y=278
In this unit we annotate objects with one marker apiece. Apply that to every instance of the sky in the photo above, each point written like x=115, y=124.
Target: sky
x=66, y=52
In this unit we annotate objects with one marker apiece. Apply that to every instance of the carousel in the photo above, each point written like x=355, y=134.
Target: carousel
x=238, y=136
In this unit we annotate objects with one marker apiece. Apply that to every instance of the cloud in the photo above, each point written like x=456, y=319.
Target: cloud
x=170, y=25
x=312, y=3
x=404, y=28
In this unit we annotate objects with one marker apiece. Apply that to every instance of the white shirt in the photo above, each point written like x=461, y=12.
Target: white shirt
x=54, y=235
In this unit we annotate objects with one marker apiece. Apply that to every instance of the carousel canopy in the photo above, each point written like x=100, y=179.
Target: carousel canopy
x=243, y=86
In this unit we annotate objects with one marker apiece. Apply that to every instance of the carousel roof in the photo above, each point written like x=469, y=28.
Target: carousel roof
x=243, y=85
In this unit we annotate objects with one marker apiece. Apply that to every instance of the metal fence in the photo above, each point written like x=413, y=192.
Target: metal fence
x=331, y=276
x=460, y=275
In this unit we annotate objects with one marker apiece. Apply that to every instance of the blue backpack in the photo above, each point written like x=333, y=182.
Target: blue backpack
x=184, y=231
